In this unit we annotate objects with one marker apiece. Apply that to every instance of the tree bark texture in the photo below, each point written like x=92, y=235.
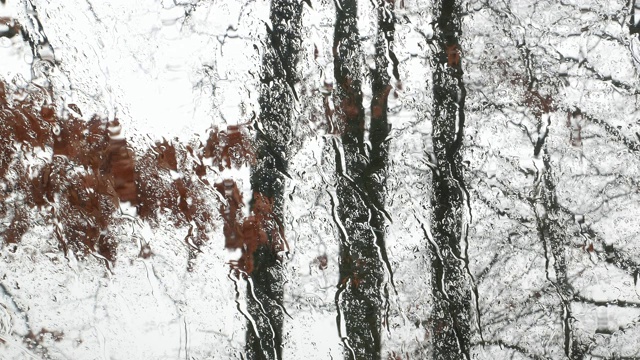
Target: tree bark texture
x=274, y=134
x=451, y=285
x=360, y=186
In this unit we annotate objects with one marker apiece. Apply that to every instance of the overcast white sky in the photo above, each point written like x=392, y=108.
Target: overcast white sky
x=146, y=63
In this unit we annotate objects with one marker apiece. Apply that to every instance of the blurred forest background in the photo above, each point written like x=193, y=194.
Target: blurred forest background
x=384, y=179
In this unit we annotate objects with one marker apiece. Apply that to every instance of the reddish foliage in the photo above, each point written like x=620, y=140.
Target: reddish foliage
x=537, y=103
x=77, y=186
x=40, y=188
x=18, y=227
x=322, y=261
x=37, y=338
x=231, y=213
x=166, y=155
x=453, y=55
x=153, y=187
x=176, y=193
x=121, y=164
x=261, y=228
x=348, y=111
x=230, y=148
x=88, y=203
x=119, y=161
x=159, y=190
x=93, y=169
x=350, y=108
x=379, y=103
x=38, y=341
x=199, y=168
x=13, y=27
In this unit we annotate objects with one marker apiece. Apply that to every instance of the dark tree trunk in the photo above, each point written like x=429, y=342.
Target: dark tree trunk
x=274, y=133
x=358, y=298
x=634, y=25
x=451, y=285
x=376, y=171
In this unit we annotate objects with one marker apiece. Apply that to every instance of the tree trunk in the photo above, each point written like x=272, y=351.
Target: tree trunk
x=274, y=133
x=451, y=286
x=634, y=25
x=358, y=297
x=376, y=172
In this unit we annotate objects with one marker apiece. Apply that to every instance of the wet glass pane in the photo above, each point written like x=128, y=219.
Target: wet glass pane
x=315, y=179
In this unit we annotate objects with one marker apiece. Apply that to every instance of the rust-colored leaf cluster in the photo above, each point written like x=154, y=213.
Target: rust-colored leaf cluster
x=531, y=97
x=453, y=55
x=231, y=213
x=18, y=226
x=322, y=261
x=74, y=174
x=261, y=228
x=379, y=103
x=356, y=273
x=11, y=27
x=538, y=103
x=348, y=116
x=170, y=180
x=232, y=147
x=74, y=189
x=38, y=341
x=37, y=338
x=120, y=164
